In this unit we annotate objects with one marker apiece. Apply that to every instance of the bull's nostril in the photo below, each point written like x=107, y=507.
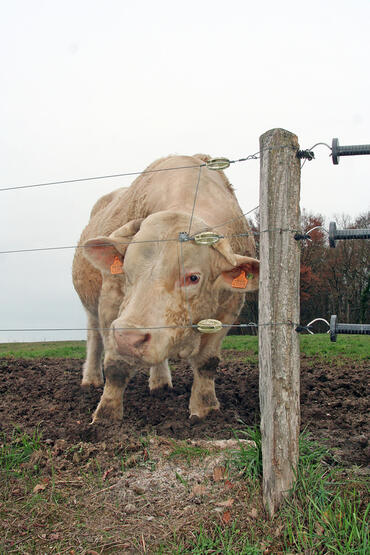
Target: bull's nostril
x=143, y=339
x=128, y=339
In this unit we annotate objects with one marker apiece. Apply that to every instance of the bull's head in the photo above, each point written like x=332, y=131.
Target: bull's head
x=168, y=284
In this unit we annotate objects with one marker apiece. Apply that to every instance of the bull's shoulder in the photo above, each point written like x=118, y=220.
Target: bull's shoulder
x=105, y=200
x=203, y=157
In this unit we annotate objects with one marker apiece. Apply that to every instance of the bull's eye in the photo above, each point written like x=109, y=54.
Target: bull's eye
x=191, y=279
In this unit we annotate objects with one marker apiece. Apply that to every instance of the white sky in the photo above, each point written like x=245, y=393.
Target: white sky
x=94, y=87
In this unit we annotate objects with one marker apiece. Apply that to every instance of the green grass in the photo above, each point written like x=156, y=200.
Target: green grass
x=182, y=450
x=248, y=460
x=356, y=347
x=228, y=541
x=328, y=509
x=17, y=449
x=326, y=512
x=52, y=349
x=353, y=346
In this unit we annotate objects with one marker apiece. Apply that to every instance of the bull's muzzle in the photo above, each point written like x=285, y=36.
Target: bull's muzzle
x=131, y=342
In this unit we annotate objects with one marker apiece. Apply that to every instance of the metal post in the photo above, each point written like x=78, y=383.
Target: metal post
x=278, y=311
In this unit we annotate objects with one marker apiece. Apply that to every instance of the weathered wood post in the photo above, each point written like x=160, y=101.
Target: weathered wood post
x=278, y=313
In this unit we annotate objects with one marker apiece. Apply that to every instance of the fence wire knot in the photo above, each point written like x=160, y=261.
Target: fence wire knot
x=184, y=236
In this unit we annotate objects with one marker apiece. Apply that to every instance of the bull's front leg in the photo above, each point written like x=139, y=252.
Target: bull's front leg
x=92, y=368
x=160, y=377
x=117, y=376
x=203, y=395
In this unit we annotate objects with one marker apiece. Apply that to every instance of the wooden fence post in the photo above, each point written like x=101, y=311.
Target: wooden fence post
x=278, y=312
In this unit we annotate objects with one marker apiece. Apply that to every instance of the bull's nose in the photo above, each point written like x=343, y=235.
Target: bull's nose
x=130, y=339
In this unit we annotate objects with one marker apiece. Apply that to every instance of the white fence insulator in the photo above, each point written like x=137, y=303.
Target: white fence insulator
x=218, y=163
x=209, y=326
x=206, y=238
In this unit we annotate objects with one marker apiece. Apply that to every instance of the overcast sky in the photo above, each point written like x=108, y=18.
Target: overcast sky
x=93, y=87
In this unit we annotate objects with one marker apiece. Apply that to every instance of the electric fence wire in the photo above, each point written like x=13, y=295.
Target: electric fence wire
x=195, y=199
x=299, y=327
x=97, y=177
x=173, y=239
x=254, y=156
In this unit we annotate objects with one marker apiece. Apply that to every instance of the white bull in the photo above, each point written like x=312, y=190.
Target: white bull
x=143, y=288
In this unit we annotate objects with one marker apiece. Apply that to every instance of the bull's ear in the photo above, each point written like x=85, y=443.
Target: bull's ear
x=241, y=278
x=107, y=253
x=103, y=252
x=236, y=273
x=127, y=230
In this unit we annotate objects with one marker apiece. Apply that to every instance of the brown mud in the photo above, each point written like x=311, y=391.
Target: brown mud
x=46, y=393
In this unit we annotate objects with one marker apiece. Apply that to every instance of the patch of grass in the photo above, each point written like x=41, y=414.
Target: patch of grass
x=17, y=449
x=51, y=349
x=356, y=347
x=182, y=450
x=138, y=456
x=248, y=459
x=182, y=480
x=327, y=511
x=241, y=343
x=225, y=540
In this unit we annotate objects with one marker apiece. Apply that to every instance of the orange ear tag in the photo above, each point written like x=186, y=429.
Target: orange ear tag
x=116, y=267
x=240, y=282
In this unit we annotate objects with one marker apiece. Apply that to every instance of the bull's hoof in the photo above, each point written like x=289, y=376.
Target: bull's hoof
x=199, y=412
x=108, y=413
x=196, y=419
x=95, y=382
x=161, y=391
x=91, y=375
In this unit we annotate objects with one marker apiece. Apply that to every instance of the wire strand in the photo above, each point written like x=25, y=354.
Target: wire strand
x=185, y=288
x=189, y=326
x=38, y=249
x=210, y=228
x=195, y=199
x=89, y=246
x=96, y=177
x=254, y=156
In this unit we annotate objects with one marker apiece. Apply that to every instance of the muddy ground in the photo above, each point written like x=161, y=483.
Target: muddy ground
x=47, y=393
